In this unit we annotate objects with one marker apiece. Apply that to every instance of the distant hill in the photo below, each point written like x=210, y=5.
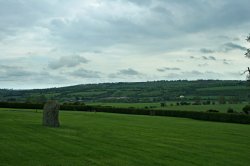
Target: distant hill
x=155, y=91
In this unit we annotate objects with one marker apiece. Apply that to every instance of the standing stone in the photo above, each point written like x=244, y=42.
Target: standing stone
x=51, y=114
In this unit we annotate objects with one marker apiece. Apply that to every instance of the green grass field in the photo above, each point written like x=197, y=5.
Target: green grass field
x=219, y=107
x=114, y=139
x=126, y=105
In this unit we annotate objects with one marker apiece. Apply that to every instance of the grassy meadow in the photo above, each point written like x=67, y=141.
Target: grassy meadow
x=113, y=139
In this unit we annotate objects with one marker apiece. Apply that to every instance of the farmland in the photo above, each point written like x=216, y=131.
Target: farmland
x=114, y=139
x=136, y=92
x=173, y=106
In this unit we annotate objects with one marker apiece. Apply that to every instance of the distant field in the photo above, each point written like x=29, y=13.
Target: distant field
x=126, y=105
x=219, y=107
x=232, y=88
x=114, y=139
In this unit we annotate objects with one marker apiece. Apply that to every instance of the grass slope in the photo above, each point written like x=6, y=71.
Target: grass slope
x=113, y=139
x=137, y=92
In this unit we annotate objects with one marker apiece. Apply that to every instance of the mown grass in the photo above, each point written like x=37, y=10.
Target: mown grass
x=114, y=139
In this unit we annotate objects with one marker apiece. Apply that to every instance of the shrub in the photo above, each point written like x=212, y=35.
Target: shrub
x=163, y=104
x=211, y=110
x=184, y=103
x=246, y=109
x=206, y=102
x=210, y=115
x=230, y=110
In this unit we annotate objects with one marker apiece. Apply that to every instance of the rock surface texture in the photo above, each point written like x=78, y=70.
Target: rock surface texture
x=51, y=114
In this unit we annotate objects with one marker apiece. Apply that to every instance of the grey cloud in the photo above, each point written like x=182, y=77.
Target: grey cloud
x=194, y=72
x=207, y=51
x=228, y=38
x=102, y=27
x=209, y=14
x=103, y=31
x=203, y=65
x=209, y=58
x=140, y=2
x=20, y=75
x=232, y=46
x=212, y=58
x=225, y=62
x=126, y=74
x=193, y=75
x=161, y=70
x=129, y=71
x=205, y=58
x=168, y=69
x=223, y=48
x=236, y=39
x=13, y=71
x=83, y=73
x=16, y=16
x=119, y=28
x=4, y=67
x=68, y=61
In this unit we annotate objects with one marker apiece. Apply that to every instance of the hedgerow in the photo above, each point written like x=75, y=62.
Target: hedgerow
x=208, y=116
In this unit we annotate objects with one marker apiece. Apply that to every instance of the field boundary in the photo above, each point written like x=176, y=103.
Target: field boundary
x=207, y=116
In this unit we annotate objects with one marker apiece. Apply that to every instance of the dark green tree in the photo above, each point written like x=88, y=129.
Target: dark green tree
x=222, y=100
x=248, y=50
x=248, y=56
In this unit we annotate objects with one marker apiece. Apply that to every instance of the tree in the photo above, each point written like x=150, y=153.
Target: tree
x=222, y=100
x=248, y=56
x=246, y=109
x=248, y=75
x=197, y=100
x=248, y=50
x=163, y=104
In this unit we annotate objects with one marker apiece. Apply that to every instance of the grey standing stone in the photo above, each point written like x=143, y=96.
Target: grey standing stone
x=51, y=114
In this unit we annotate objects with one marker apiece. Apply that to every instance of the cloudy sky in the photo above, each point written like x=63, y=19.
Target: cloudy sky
x=53, y=43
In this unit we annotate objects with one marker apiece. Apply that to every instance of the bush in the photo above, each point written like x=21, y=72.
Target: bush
x=230, y=110
x=210, y=115
x=206, y=102
x=21, y=105
x=211, y=110
x=184, y=103
x=246, y=109
x=163, y=104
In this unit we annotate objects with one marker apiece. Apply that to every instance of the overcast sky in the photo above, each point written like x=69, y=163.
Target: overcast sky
x=51, y=43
